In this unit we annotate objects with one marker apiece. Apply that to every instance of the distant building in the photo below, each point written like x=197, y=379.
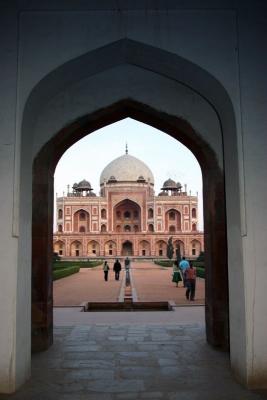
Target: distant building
x=127, y=218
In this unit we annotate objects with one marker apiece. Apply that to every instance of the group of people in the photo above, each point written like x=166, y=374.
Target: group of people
x=116, y=268
x=185, y=272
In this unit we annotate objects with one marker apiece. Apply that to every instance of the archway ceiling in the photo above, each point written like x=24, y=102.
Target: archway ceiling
x=126, y=52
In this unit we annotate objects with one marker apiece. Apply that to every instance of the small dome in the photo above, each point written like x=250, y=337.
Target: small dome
x=84, y=185
x=74, y=185
x=179, y=185
x=169, y=184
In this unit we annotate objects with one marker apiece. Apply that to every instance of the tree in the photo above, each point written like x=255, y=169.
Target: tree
x=201, y=256
x=170, y=249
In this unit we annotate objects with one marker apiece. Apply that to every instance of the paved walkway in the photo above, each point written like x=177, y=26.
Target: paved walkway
x=151, y=283
x=124, y=361
x=86, y=285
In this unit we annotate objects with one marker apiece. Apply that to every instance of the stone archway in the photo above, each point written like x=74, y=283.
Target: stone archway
x=169, y=121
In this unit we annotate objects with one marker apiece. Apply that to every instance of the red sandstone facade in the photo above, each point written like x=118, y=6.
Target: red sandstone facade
x=127, y=218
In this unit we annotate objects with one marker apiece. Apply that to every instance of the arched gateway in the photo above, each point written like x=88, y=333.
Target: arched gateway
x=194, y=92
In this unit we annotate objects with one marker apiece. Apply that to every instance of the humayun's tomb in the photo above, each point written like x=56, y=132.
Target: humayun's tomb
x=127, y=218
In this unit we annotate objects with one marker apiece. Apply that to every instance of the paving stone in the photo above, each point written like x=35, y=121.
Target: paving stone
x=127, y=396
x=133, y=354
x=172, y=371
x=94, y=396
x=116, y=338
x=89, y=347
x=83, y=364
x=153, y=395
x=88, y=374
x=138, y=372
x=89, y=355
x=166, y=362
x=116, y=386
x=148, y=362
x=165, y=354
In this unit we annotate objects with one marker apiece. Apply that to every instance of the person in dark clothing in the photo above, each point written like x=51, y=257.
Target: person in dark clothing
x=117, y=269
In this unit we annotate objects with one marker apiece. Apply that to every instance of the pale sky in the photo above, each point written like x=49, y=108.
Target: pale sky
x=165, y=156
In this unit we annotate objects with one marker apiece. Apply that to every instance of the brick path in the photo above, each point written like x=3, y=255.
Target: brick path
x=151, y=282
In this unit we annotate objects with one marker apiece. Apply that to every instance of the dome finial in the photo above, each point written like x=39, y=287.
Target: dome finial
x=126, y=148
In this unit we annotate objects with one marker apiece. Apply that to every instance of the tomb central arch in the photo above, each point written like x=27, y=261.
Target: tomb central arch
x=163, y=78
x=127, y=216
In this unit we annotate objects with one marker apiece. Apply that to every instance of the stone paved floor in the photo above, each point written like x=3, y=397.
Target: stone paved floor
x=121, y=361
x=151, y=283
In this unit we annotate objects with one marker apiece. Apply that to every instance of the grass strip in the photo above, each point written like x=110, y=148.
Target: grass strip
x=63, y=272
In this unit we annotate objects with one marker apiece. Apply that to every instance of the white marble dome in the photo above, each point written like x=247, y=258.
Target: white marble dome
x=127, y=169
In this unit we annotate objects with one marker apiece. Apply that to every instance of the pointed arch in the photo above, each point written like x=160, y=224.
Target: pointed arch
x=144, y=248
x=76, y=249
x=93, y=248
x=81, y=221
x=110, y=248
x=161, y=248
x=60, y=247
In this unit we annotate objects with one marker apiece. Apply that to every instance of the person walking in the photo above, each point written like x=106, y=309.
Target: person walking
x=106, y=269
x=127, y=263
x=117, y=269
x=190, y=281
x=176, y=275
x=127, y=268
x=183, y=265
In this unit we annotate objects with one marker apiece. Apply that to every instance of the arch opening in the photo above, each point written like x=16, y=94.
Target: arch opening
x=213, y=190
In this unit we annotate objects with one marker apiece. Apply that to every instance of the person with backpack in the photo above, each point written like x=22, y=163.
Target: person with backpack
x=190, y=281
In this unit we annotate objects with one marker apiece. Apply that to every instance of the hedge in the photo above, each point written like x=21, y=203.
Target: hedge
x=201, y=272
x=63, y=272
x=80, y=264
x=164, y=263
x=91, y=264
x=200, y=264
